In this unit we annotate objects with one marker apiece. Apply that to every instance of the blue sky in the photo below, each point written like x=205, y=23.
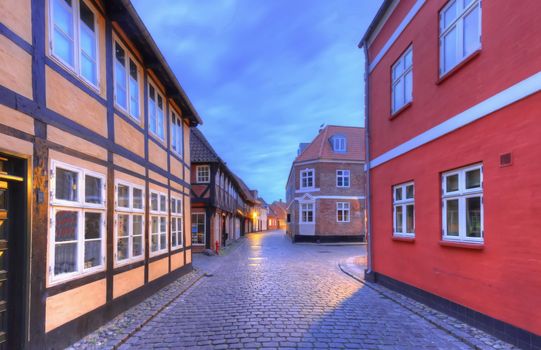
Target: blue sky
x=265, y=74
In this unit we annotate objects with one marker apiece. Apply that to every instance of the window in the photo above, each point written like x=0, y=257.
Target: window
x=339, y=144
x=342, y=212
x=199, y=228
x=77, y=222
x=155, y=112
x=463, y=204
x=402, y=76
x=158, y=222
x=203, y=174
x=404, y=210
x=176, y=223
x=460, y=32
x=342, y=178
x=307, y=213
x=176, y=133
x=74, y=37
x=129, y=222
x=126, y=82
x=307, y=178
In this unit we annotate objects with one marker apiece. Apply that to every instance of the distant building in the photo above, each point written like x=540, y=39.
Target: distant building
x=326, y=187
x=277, y=215
x=221, y=206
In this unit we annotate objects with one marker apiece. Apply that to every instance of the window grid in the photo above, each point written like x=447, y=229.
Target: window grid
x=176, y=133
x=199, y=226
x=402, y=80
x=307, y=178
x=129, y=222
x=339, y=144
x=156, y=112
x=342, y=211
x=158, y=222
x=126, y=77
x=177, y=228
x=203, y=174
x=342, y=178
x=307, y=213
x=404, y=210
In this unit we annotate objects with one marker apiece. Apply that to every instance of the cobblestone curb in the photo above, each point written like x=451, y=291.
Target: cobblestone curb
x=472, y=336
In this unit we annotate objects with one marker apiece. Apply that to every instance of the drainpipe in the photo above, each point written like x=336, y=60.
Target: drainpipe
x=369, y=275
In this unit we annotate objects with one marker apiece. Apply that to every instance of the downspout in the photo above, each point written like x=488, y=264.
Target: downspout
x=369, y=275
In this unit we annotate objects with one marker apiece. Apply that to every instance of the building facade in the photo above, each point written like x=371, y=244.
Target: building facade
x=221, y=208
x=326, y=186
x=454, y=151
x=94, y=168
x=277, y=221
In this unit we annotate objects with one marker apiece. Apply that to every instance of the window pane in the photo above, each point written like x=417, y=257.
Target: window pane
x=63, y=45
x=137, y=198
x=398, y=94
x=88, y=69
x=93, y=190
x=173, y=205
x=408, y=86
x=65, y=258
x=398, y=69
x=154, y=201
x=63, y=18
x=449, y=55
x=137, y=225
x=471, y=32
x=473, y=217
x=473, y=179
x=92, y=254
x=163, y=201
x=120, y=76
x=451, y=183
x=409, y=191
x=137, y=246
x=123, y=196
x=159, y=121
x=408, y=59
x=87, y=17
x=66, y=185
x=452, y=217
x=123, y=225
x=66, y=225
x=410, y=219
x=92, y=225
x=449, y=15
x=398, y=194
x=122, y=248
x=134, y=98
x=398, y=219
x=152, y=114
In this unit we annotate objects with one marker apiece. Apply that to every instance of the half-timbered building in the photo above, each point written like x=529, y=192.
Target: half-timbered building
x=94, y=168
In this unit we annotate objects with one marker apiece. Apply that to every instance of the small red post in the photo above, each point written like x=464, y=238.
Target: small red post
x=217, y=247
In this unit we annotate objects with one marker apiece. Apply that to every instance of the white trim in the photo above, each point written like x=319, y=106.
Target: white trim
x=416, y=7
x=330, y=161
x=403, y=203
x=312, y=209
x=502, y=99
x=308, y=190
x=312, y=177
x=344, y=210
x=199, y=179
x=329, y=197
x=382, y=22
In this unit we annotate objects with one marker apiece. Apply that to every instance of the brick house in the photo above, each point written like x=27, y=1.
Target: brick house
x=326, y=185
x=221, y=207
x=453, y=103
x=279, y=215
x=94, y=168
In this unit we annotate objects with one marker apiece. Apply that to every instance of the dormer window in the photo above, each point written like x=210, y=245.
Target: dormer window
x=339, y=143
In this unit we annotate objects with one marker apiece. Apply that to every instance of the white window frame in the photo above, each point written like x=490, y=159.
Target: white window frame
x=204, y=229
x=76, y=17
x=307, y=174
x=457, y=23
x=131, y=211
x=343, y=174
x=461, y=195
x=128, y=57
x=157, y=96
x=202, y=178
x=345, y=208
x=160, y=213
x=401, y=78
x=339, y=143
x=403, y=203
x=81, y=208
x=177, y=133
x=307, y=207
x=177, y=216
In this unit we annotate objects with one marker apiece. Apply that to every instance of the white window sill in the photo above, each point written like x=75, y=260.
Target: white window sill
x=72, y=276
x=307, y=189
x=120, y=263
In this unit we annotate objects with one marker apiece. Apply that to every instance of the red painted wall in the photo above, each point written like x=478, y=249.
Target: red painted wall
x=504, y=279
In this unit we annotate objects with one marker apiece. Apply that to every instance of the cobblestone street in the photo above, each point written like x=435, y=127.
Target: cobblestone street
x=269, y=293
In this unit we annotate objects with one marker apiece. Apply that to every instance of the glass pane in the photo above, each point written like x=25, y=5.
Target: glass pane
x=87, y=17
x=120, y=85
x=410, y=219
x=137, y=198
x=122, y=248
x=137, y=246
x=163, y=241
x=123, y=225
x=88, y=43
x=163, y=201
x=408, y=86
x=93, y=190
x=473, y=179
x=450, y=54
x=471, y=32
x=123, y=196
x=154, y=243
x=452, y=217
x=398, y=68
x=451, y=183
x=65, y=258
x=398, y=94
x=137, y=225
x=173, y=205
x=398, y=194
x=154, y=201
x=160, y=123
x=92, y=225
x=408, y=59
x=134, y=98
x=92, y=254
x=66, y=185
x=398, y=219
x=409, y=191
x=66, y=226
x=449, y=15
x=473, y=217
x=154, y=224
x=63, y=47
x=88, y=69
x=163, y=225
x=152, y=115
x=63, y=18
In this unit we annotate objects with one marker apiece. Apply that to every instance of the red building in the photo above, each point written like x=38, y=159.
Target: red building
x=326, y=186
x=454, y=149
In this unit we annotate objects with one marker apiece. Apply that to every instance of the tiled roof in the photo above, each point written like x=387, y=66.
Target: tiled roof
x=321, y=148
x=200, y=149
x=279, y=209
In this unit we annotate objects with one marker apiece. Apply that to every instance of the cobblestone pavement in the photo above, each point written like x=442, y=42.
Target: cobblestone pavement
x=269, y=293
